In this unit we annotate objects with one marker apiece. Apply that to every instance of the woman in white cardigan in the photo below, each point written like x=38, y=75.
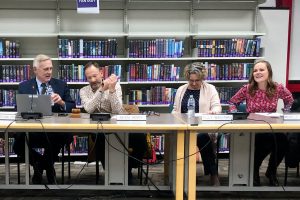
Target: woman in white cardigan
x=207, y=101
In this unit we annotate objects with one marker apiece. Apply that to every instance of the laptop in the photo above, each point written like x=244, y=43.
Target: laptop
x=34, y=103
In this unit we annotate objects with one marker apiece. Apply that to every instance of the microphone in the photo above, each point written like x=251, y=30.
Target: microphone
x=31, y=114
x=100, y=116
x=31, y=100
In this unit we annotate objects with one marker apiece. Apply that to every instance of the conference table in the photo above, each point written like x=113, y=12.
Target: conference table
x=241, y=158
x=163, y=123
x=182, y=131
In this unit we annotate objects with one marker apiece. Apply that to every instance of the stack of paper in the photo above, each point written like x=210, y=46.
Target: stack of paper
x=8, y=115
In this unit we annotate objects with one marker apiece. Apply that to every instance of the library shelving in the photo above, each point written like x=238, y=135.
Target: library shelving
x=183, y=25
x=122, y=22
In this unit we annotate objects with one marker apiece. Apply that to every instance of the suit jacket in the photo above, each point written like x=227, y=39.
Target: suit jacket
x=58, y=86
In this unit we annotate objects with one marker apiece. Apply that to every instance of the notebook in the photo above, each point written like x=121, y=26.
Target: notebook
x=34, y=103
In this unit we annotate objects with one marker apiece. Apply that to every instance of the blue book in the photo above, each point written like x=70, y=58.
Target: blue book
x=258, y=41
x=1, y=49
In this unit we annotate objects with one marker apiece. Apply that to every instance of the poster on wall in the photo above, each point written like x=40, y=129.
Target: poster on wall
x=88, y=6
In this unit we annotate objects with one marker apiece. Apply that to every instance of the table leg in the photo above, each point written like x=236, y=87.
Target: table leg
x=190, y=166
x=179, y=165
x=240, y=159
x=7, y=171
x=27, y=165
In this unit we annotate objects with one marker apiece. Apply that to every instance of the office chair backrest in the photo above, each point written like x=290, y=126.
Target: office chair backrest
x=242, y=107
x=131, y=108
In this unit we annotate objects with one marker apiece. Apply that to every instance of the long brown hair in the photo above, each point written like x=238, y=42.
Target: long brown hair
x=271, y=86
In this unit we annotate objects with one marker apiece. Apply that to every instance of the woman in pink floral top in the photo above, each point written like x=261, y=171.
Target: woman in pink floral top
x=261, y=95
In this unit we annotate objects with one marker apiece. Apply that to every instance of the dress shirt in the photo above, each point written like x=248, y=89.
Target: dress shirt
x=96, y=101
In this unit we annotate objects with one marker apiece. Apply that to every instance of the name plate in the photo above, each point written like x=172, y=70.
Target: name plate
x=131, y=117
x=291, y=117
x=8, y=115
x=217, y=117
x=136, y=122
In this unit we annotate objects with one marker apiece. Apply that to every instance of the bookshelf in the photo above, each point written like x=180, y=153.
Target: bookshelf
x=38, y=26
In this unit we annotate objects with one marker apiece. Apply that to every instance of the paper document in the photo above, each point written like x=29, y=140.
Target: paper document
x=275, y=115
x=8, y=115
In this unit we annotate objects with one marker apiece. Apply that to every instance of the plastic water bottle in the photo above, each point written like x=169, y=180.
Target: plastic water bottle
x=50, y=92
x=191, y=106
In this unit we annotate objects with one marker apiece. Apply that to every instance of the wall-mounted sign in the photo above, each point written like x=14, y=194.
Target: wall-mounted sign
x=88, y=6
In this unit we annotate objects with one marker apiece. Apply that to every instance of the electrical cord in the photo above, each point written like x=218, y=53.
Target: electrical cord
x=94, y=145
x=26, y=139
x=51, y=155
x=126, y=154
x=185, y=157
x=174, y=160
x=275, y=143
x=132, y=158
x=50, y=150
x=85, y=164
x=149, y=164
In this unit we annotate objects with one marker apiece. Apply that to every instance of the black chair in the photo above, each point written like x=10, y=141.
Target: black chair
x=292, y=157
x=286, y=173
x=67, y=147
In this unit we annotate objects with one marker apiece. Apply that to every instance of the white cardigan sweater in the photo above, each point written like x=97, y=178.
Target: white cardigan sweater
x=209, y=98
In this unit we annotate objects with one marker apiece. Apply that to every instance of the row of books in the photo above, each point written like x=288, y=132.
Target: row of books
x=226, y=93
x=79, y=145
x=10, y=146
x=150, y=48
x=9, y=48
x=7, y=97
x=14, y=73
x=155, y=72
x=84, y=48
x=75, y=94
x=136, y=72
x=224, y=143
x=75, y=73
x=158, y=142
x=236, y=47
x=152, y=96
x=234, y=71
x=156, y=48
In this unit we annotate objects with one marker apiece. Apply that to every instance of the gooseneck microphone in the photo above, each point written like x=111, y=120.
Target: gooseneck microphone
x=31, y=101
x=100, y=116
x=31, y=114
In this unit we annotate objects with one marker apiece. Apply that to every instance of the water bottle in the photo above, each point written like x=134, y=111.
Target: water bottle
x=50, y=92
x=191, y=106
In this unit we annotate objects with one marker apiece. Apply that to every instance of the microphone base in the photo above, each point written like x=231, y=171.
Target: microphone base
x=100, y=116
x=239, y=115
x=31, y=115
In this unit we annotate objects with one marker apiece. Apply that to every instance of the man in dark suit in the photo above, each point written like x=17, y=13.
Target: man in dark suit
x=51, y=143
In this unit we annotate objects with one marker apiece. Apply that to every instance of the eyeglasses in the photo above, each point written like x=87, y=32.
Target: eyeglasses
x=149, y=113
x=195, y=81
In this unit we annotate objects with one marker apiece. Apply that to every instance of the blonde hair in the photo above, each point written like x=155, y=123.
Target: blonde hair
x=40, y=58
x=197, y=68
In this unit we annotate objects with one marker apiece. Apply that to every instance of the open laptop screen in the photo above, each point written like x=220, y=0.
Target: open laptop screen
x=34, y=103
